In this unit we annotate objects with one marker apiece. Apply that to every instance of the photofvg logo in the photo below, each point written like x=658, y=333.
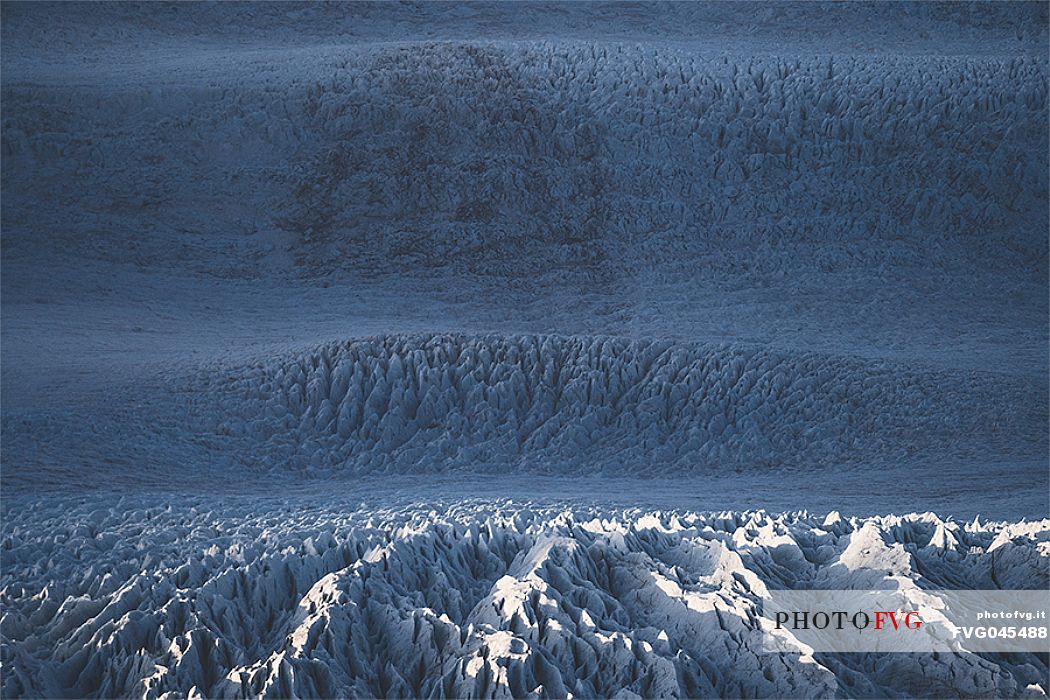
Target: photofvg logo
x=838, y=619
x=910, y=620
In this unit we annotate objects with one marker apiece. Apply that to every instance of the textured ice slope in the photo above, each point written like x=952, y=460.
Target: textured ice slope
x=295, y=599
x=514, y=151
x=529, y=404
x=521, y=156
x=434, y=402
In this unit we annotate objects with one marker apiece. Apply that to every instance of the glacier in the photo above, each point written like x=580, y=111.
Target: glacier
x=514, y=349
x=407, y=403
x=473, y=598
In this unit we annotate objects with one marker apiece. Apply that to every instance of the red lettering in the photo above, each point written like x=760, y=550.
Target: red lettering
x=880, y=615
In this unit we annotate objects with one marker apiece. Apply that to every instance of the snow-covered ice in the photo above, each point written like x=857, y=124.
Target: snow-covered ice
x=471, y=599
x=423, y=403
x=475, y=349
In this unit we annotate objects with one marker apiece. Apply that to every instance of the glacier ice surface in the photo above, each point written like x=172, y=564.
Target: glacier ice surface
x=520, y=349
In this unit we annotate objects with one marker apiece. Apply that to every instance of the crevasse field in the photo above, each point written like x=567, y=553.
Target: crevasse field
x=488, y=350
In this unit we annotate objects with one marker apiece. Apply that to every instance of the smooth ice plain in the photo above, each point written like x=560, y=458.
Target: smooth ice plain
x=485, y=350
